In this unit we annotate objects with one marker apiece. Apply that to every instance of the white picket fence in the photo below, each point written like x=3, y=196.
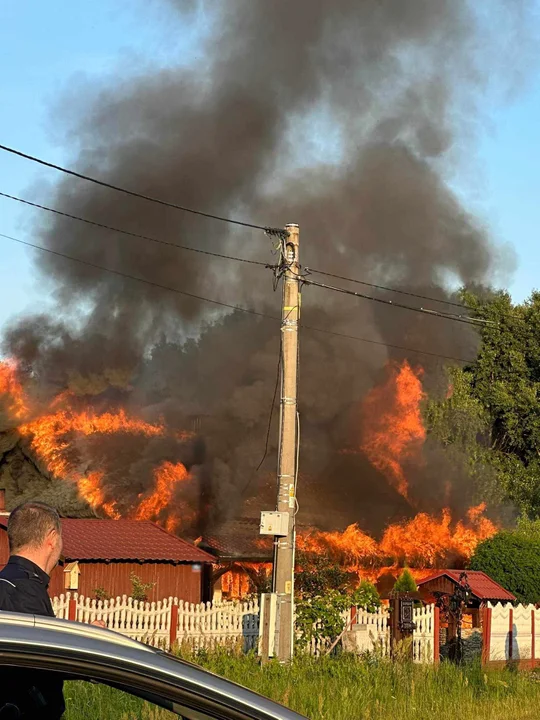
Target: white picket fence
x=167, y=621
x=374, y=632
x=371, y=632
x=235, y=624
x=424, y=635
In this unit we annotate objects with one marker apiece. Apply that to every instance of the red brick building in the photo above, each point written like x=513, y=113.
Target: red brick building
x=104, y=554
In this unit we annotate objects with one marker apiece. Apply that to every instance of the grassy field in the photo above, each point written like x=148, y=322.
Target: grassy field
x=346, y=688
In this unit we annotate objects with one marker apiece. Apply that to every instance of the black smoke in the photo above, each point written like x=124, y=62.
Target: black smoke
x=243, y=133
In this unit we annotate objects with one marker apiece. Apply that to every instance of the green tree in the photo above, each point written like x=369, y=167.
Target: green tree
x=492, y=414
x=405, y=582
x=512, y=559
x=366, y=596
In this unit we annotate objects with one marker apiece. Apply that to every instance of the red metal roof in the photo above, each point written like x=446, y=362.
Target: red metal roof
x=481, y=584
x=126, y=540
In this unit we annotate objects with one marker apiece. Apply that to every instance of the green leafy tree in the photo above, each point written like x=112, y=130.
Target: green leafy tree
x=366, y=596
x=513, y=560
x=492, y=414
x=405, y=582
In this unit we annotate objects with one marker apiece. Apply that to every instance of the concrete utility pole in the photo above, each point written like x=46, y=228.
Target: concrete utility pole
x=287, y=460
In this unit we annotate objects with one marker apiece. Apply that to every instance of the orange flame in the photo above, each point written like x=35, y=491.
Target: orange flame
x=392, y=428
x=90, y=489
x=235, y=584
x=49, y=433
x=11, y=391
x=424, y=541
x=167, y=476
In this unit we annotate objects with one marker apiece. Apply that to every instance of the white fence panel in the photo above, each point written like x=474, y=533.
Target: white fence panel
x=60, y=605
x=376, y=629
x=200, y=626
x=518, y=629
x=522, y=632
x=222, y=623
x=500, y=623
x=424, y=634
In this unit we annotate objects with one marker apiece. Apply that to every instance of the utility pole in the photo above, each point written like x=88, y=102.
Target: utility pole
x=283, y=577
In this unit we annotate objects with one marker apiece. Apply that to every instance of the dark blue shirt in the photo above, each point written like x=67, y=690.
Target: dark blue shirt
x=38, y=694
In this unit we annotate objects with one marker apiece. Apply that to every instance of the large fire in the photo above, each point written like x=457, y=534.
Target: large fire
x=11, y=391
x=392, y=437
x=425, y=541
x=53, y=437
x=392, y=428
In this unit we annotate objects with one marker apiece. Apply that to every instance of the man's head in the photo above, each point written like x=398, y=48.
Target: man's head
x=35, y=532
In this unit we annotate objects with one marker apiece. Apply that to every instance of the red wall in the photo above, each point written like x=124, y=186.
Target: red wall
x=181, y=581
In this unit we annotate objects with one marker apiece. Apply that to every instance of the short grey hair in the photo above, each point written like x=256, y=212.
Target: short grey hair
x=29, y=525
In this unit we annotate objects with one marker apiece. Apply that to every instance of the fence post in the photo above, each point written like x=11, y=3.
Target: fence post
x=174, y=624
x=486, y=635
x=353, y=615
x=533, y=639
x=511, y=633
x=436, y=635
x=72, y=608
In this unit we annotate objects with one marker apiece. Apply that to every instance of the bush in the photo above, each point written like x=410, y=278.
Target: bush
x=405, y=582
x=101, y=594
x=513, y=560
x=318, y=573
x=319, y=606
x=139, y=589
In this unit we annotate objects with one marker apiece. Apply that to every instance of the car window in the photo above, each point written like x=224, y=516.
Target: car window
x=85, y=700
x=91, y=699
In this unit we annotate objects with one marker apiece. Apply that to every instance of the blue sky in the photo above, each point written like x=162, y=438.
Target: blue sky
x=48, y=47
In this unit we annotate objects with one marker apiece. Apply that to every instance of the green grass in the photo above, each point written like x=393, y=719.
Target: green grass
x=347, y=688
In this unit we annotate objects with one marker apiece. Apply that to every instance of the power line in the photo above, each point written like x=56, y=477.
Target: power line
x=232, y=307
x=386, y=344
x=135, y=277
x=149, y=198
x=388, y=289
x=131, y=234
x=426, y=311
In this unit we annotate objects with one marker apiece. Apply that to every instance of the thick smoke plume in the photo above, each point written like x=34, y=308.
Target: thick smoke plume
x=345, y=117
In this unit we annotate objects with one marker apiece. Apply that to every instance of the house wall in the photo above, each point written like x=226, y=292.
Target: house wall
x=184, y=581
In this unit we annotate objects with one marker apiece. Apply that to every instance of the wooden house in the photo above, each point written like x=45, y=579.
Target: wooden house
x=102, y=556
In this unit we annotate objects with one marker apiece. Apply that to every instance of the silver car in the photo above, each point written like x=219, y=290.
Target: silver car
x=92, y=653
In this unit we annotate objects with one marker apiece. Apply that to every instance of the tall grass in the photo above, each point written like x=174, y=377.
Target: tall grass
x=348, y=688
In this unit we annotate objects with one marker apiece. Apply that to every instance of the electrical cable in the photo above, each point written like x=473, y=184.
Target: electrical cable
x=233, y=307
x=426, y=311
x=131, y=234
x=310, y=270
x=132, y=193
x=138, y=279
